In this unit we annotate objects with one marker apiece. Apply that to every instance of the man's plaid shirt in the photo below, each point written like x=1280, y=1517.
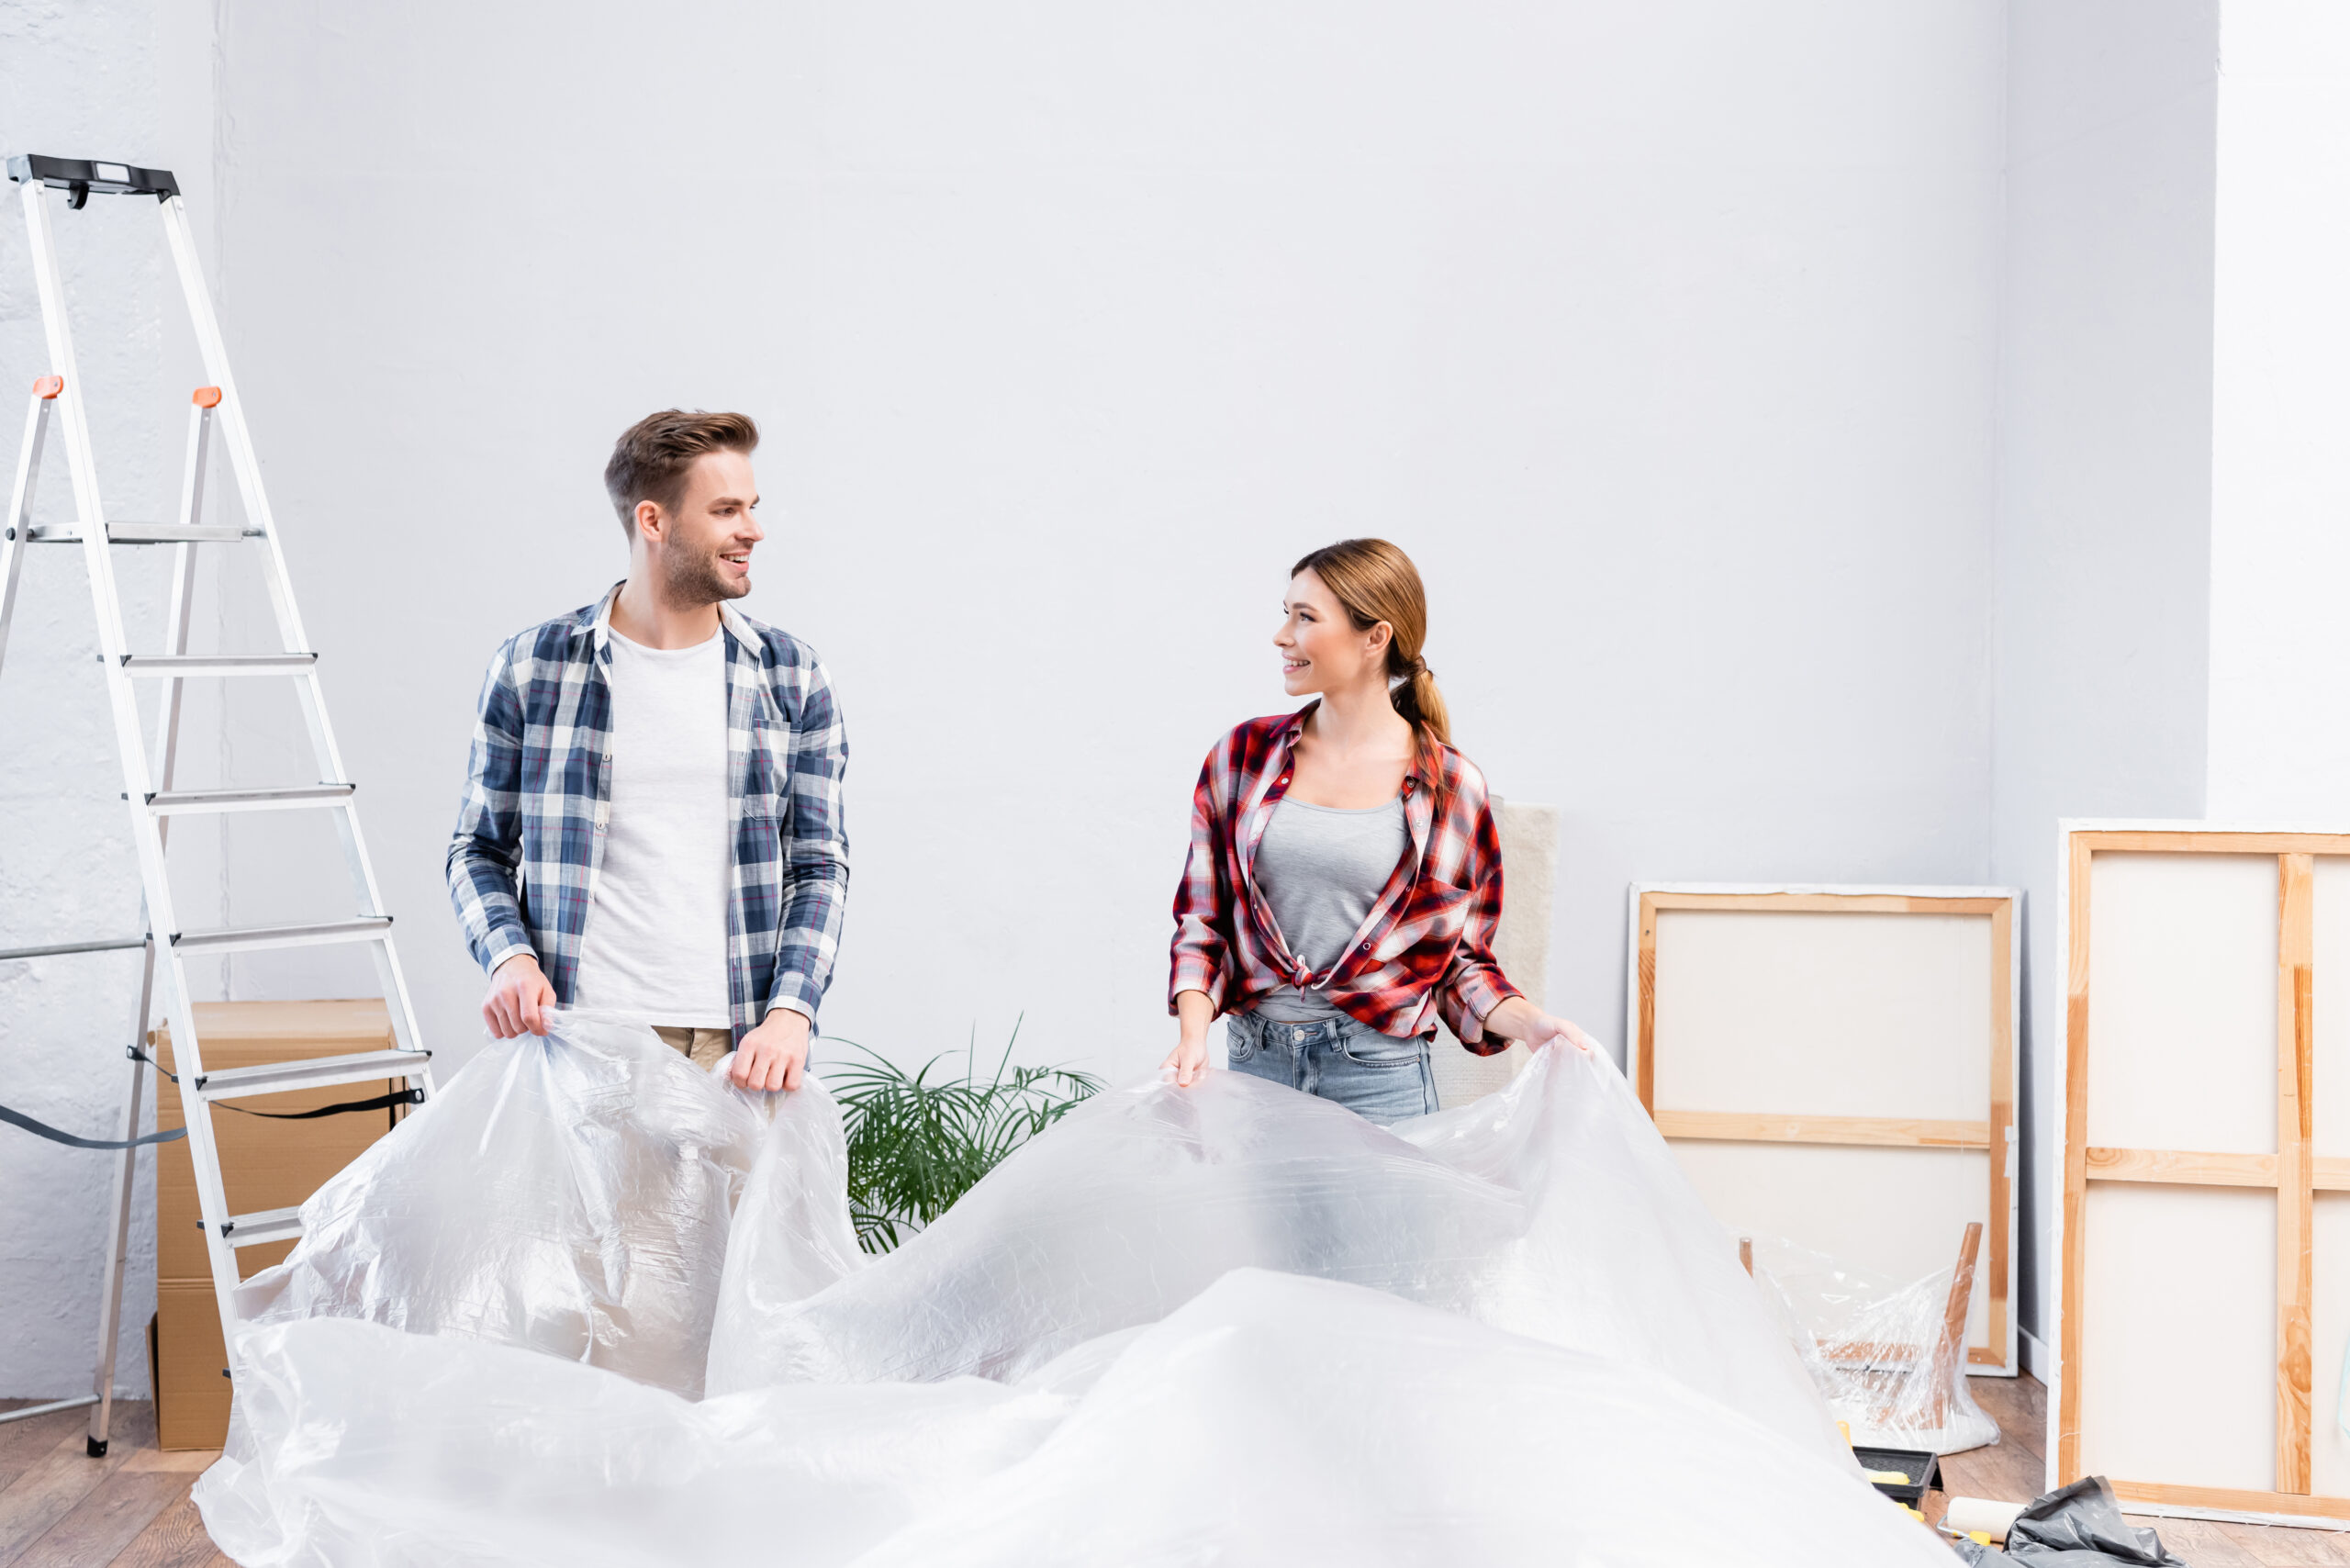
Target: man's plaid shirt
x=531, y=829
x=1424, y=952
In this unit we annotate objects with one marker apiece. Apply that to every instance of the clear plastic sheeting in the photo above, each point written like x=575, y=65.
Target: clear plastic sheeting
x=1271, y=1421
x=1873, y=1348
x=572, y=1194
x=1552, y=1209
x=1527, y=1341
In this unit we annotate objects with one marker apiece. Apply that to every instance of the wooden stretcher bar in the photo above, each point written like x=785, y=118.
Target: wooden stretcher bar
x=2294, y=1174
x=1994, y=1135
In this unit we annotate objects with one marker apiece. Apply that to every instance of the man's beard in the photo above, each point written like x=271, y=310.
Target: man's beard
x=692, y=581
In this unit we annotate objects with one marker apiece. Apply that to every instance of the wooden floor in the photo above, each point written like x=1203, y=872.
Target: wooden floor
x=2014, y=1469
x=60, y=1508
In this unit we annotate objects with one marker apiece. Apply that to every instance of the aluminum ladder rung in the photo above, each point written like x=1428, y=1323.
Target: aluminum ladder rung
x=143, y=533
x=315, y=1072
x=254, y=938
x=216, y=664
x=57, y=949
x=260, y=1228
x=278, y=797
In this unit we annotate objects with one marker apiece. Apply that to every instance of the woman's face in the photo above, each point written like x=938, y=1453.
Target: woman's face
x=1321, y=650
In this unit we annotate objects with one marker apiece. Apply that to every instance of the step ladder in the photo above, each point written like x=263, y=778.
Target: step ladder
x=215, y=413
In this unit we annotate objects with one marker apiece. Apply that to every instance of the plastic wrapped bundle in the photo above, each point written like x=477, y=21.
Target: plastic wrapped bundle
x=1552, y=1209
x=1878, y=1350
x=1271, y=1421
x=573, y=1195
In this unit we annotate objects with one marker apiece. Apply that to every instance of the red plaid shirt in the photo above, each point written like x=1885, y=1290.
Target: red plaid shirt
x=1425, y=951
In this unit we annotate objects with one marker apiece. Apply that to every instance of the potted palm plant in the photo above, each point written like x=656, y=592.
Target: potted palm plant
x=917, y=1141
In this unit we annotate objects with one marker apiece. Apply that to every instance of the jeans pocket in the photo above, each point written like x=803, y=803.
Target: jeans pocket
x=1383, y=1051
x=1240, y=1038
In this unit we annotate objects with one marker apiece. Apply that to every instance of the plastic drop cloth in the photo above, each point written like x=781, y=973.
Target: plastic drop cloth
x=1868, y=1342
x=575, y=1195
x=1552, y=1209
x=1271, y=1421
x=1105, y=1352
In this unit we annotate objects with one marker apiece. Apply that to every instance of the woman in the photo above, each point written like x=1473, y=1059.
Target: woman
x=1345, y=877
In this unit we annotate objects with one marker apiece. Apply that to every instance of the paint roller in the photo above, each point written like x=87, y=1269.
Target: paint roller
x=1980, y=1517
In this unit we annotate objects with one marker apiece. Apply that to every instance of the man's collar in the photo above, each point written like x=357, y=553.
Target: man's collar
x=730, y=620
x=601, y=628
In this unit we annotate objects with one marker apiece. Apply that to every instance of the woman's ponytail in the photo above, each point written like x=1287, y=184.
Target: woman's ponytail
x=1416, y=697
x=1374, y=581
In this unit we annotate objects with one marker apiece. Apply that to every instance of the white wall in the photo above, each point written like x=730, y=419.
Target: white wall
x=2103, y=519
x=1665, y=345
x=2280, y=495
x=1665, y=337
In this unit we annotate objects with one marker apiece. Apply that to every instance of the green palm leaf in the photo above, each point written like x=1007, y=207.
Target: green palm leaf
x=917, y=1143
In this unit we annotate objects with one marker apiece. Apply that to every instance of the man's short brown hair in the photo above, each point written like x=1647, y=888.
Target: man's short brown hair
x=650, y=460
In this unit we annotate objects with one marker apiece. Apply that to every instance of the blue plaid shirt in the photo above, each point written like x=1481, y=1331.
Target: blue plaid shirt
x=538, y=795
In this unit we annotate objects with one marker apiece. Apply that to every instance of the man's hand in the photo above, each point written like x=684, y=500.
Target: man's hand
x=519, y=998
x=771, y=1056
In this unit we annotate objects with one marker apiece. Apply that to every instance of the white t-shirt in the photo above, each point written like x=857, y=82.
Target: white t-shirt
x=655, y=943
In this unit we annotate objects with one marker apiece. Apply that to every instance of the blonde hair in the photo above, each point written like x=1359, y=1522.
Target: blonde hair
x=1374, y=581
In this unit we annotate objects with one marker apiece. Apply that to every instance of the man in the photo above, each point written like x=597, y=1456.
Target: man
x=653, y=821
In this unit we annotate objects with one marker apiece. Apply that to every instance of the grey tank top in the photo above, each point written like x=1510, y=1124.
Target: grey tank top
x=1321, y=869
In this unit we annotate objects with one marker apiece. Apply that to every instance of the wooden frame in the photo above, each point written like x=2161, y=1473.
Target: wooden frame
x=2293, y=1172
x=1994, y=1135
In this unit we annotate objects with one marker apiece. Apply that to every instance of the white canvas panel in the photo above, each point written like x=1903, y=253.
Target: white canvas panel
x=2329, y=1345
x=2183, y=1002
x=2178, y=1335
x=1899, y=1211
x=2329, y=1074
x=1824, y=1014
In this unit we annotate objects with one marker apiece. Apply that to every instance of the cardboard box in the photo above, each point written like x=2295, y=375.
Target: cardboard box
x=191, y=1367
x=264, y=1164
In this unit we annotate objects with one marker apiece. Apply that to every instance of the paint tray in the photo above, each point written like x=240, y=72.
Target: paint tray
x=1919, y=1465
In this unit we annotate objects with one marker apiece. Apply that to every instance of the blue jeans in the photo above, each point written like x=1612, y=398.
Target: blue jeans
x=1379, y=1077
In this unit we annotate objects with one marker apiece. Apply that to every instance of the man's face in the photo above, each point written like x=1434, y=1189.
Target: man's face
x=703, y=549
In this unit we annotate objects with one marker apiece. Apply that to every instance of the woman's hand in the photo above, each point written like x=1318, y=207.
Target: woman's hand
x=1548, y=1028
x=1190, y=1060
x=1189, y=1057
x=1518, y=1019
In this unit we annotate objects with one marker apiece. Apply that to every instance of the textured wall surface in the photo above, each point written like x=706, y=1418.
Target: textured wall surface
x=79, y=80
